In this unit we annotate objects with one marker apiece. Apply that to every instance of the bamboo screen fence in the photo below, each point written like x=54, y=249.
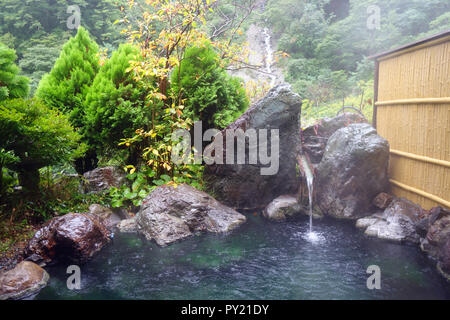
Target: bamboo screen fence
x=412, y=111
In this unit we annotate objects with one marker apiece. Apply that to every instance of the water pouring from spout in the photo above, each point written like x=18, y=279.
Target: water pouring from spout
x=311, y=236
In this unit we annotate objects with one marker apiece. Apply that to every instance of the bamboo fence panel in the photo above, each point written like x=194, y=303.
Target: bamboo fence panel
x=413, y=114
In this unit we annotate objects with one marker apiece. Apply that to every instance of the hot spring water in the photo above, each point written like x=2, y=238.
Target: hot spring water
x=311, y=235
x=259, y=260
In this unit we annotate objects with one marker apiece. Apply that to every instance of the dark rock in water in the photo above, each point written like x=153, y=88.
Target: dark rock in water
x=437, y=240
x=281, y=207
x=26, y=279
x=243, y=186
x=170, y=214
x=383, y=200
x=445, y=259
x=315, y=138
x=353, y=170
x=102, y=179
x=428, y=219
x=75, y=236
x=396, y=223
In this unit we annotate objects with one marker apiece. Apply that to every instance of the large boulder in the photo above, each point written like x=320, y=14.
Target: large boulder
x=353, y=170
x=26, y=279
x=437, y=239
x=171, y=213
x=315, y=137
x=243, y=186
x=396, y=223
x=75, y=236
x=102, y=179
x=282, y=207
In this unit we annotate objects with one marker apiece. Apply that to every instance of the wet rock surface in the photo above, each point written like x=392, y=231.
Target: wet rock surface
x=26, y=279
x=106, y=216
x=282, y=207
x=75, y=237
x=127, y=226
x=435, y=227
x=383, y=200
x=353, y=170
x=315, y=138
x=396, y=223
x=243, y=186
x=102, y=179
x=170, y=214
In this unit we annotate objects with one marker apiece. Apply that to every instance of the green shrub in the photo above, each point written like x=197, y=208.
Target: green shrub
x=39, y=136
x=115, y=103
x=212, y=95
x=12, y=85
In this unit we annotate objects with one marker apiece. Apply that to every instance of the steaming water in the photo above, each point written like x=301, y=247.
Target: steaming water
x=260, y=260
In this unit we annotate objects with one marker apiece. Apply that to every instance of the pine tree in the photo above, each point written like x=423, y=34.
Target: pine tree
x=12, y=85
x=66, y=85
x=115, y=103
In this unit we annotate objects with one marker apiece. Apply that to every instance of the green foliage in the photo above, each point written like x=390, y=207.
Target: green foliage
x=37, y=61
x=212, y=96
x=39, y=136
x=65, y=87
x=143, y=181
x=26, y=22
x=7, y=158
x=115, y=103
x=361, y=99
x=12, y=85
x=328, y=41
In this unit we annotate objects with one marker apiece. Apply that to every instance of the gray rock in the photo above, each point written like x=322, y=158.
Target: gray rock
x=315, y=138
x=127, y=226
x=102, y=179
x=243, y=186
x=364, y=223
x=396, y=223
x=281, y=207
x=26, y=279
x=170, y=214
x=105, y=215
x=437, y=240
x=353, y=170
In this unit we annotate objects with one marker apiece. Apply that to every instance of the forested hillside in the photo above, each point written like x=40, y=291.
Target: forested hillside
x=37, y=29
x=329, y=41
